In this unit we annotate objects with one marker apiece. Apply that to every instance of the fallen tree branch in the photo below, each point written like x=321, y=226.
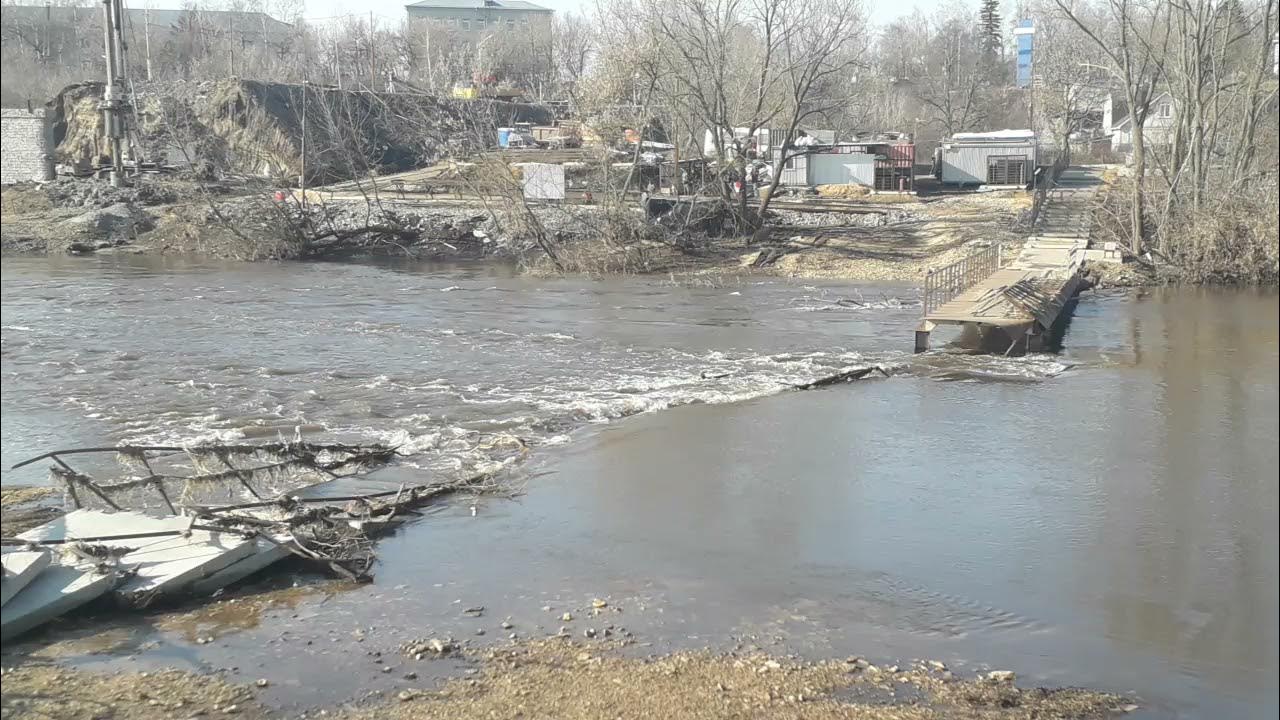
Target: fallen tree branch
x=843, y=376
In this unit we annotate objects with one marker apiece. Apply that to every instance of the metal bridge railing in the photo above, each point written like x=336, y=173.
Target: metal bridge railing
x=944, y=283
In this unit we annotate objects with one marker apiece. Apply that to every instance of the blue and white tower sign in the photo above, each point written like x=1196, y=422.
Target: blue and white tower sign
x=1025, y=34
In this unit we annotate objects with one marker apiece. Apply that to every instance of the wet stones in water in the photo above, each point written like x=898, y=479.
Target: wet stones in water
x=418, y=649
x=1004, y=677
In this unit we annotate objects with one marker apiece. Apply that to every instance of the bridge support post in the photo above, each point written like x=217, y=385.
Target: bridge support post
x=1035, y=338
x=922, y=335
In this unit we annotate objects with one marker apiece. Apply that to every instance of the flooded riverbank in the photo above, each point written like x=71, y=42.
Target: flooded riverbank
x=1103, y=517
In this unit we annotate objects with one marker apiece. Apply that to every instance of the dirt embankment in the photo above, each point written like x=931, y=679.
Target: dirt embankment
x=851, y=240
x=231, y=127
x=900, y=244
x=223, y=221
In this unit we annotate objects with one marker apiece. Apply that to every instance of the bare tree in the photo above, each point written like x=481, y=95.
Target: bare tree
x=1072, y=83
x=1133, y=35
x=819, y=52
x=1213, y=74
x=573, y=45
x=942, y=58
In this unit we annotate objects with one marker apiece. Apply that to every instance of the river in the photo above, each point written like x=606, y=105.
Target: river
x=1103, y=516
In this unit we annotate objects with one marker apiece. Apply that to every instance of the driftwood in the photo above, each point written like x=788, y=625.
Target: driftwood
x=843, y=376
x=338, y=532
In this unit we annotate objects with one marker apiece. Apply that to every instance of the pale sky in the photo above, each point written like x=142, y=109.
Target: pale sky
x=392, y=11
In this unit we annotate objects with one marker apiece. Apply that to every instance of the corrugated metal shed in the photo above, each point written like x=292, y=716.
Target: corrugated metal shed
x=795, y=172
x=841, y=169
x=987, y=161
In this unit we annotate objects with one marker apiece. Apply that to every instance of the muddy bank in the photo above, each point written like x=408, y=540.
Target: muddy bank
x=560, y=677
x=217, y=221
x=898, y=242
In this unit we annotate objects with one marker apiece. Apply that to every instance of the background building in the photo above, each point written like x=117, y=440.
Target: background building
x=481, y=17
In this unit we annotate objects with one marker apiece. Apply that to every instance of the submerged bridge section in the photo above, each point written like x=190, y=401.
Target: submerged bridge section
x=1017, y=300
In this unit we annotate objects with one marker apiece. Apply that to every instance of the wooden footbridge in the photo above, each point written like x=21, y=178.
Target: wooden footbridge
x=1017, y=300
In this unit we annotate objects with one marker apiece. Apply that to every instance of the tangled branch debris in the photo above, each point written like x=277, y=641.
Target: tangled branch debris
x=256, y=491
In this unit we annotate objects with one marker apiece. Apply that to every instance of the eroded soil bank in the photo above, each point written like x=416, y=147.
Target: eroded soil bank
x=869, y=241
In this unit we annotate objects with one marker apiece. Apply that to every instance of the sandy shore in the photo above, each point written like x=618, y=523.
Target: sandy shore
x=565, y=678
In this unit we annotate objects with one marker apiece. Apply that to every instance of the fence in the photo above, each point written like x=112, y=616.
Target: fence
x=948, y=281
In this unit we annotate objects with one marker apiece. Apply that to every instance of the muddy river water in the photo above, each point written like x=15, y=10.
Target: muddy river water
x=1103, y=516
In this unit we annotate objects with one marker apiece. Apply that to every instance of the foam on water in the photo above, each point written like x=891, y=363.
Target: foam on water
x=457, y=385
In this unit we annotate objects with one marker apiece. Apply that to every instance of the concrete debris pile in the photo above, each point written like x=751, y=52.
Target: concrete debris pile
x=189, y=521
x=231, y=127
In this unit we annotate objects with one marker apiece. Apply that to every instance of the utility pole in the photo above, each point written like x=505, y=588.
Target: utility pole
x=45, y=46
x=146, y=35
x=302, y=178
x=373, y=66
x=677, y=183
x=431, y=76
x=337, y=63
x=113, y=104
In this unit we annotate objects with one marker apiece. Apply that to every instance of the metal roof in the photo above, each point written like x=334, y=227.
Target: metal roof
x=996, y=135
x=521, y=5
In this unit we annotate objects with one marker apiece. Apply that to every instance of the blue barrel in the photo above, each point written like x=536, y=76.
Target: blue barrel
x=504, y=137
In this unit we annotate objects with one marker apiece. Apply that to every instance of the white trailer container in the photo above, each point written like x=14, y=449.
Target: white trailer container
x=1000, y=158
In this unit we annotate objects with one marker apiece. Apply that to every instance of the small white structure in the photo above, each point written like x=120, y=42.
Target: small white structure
x=816, y=169
x=998, y=158
x=543, y=181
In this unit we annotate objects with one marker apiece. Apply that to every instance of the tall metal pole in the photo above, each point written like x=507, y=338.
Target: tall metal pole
x=45, y=53
x=146, y=35
x=677, y=179
x=112, y=105
x=302, y=179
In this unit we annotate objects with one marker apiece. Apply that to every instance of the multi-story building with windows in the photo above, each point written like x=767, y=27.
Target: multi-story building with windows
x=481, y=17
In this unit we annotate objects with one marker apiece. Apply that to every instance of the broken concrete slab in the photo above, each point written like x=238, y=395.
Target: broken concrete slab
x=58, y=589
x=266, y=553
x=168, y=562
x=91, y=524
x=167, y=566
x=20, y=568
